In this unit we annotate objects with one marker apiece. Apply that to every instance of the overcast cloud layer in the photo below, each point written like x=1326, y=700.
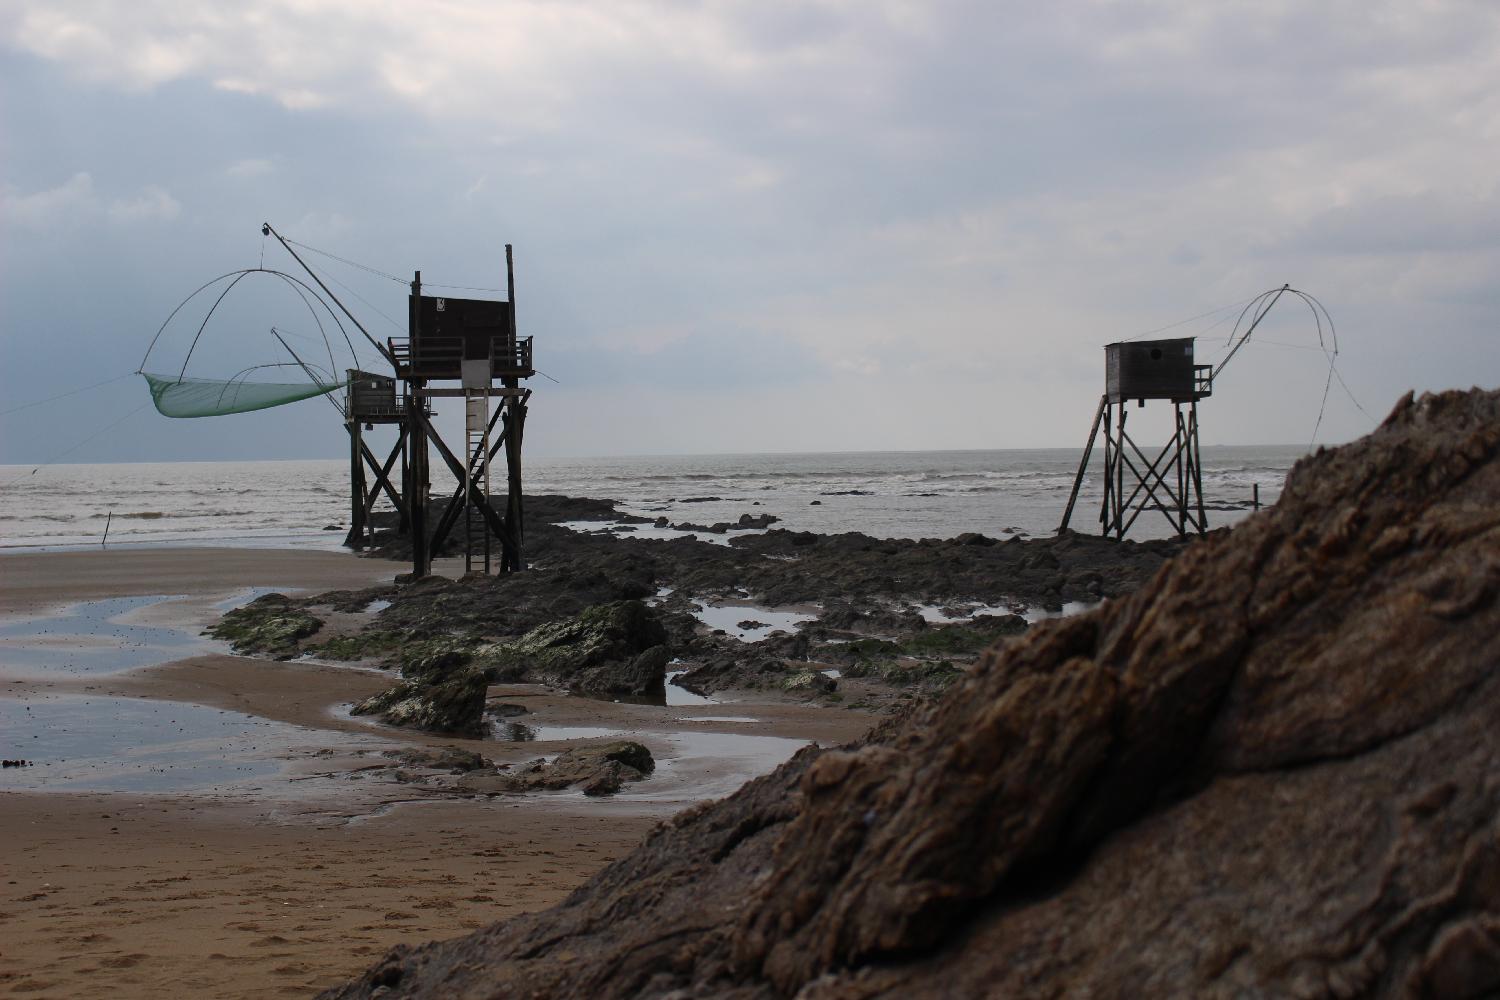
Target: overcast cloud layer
x=756, y=226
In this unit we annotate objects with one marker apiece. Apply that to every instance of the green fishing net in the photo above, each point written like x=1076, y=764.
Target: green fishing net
x=209, y=397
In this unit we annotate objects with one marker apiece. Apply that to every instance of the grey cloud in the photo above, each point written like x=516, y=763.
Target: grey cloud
x=938, y=191
x=1430, y=222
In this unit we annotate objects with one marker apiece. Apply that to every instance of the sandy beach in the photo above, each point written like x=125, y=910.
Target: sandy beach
x=298, y=875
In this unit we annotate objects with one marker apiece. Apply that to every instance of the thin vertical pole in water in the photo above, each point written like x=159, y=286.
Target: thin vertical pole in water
x=108, y=518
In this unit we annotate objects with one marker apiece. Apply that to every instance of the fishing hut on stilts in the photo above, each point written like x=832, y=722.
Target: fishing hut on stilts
x=1136, y=371
x=471, y=342
x=1171, y=482
x=454, y=348
x=461, y=348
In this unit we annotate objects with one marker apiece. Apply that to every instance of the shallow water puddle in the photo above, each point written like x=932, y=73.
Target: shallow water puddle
x=938, y=615
x=680, y=697
x=90, y=638
x=244, y=597
x=698, y=766
x=1034, y=615
x=81, y=743
x=625, y=529
x=729, y=616
x=710, y=765
x=511, y=731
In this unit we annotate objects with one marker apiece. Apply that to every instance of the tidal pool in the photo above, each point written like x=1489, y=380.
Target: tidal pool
x=729, y=616
x=84, y=743
x=89, y=638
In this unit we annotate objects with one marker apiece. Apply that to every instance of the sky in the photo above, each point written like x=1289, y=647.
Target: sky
x=827, y=225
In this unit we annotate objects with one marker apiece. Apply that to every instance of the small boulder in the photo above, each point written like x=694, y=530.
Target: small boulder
x=452, y=759
x=810, y=681
x=973, y=538
x=596, y=770
x=270, y=625
x=454, y=704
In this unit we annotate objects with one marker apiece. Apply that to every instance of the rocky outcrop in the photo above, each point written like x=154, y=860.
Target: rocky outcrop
x=271, y=625
x=441, y=702
x=454, y=760
x=810, y=681
x=608, y=650
x=595, y=770
x=746, y=522
x=1272, y=771
x=868, y=586
x=616, y=648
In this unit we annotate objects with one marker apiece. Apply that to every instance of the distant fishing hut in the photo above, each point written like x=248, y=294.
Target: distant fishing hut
x=1172, y=482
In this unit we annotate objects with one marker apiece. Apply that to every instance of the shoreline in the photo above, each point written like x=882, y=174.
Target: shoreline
x=293, y=880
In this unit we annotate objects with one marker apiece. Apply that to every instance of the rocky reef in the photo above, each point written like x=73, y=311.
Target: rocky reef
x=575, y=620
x=272, y=625
x=1274, y=770
x=610, y=649
x=449, y=700
x=595, y=769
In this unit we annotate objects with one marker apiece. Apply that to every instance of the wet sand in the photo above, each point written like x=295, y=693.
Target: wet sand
x=123, y=896
x=282, y=883
x=32, y=581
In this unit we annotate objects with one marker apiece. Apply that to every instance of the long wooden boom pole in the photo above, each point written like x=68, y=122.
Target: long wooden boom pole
x=267, y=230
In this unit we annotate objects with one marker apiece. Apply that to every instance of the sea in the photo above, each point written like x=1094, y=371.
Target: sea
x=907, y=494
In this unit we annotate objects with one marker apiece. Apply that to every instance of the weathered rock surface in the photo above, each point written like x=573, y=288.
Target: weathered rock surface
x=454, y=760
x=808, y=680
x=599, y=651
x=868, y=586
x=271, y=625
x=1273, y=771
x=441, y=702
x=596, y=770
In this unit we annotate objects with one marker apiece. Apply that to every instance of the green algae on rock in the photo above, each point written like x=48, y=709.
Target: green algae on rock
x=616, y=631
x=270, y=625
x=809, y=680
x=928, y=674
x=450, y=703
x=360, y=646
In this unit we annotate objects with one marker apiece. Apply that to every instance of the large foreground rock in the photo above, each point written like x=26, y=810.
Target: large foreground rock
x=1273, y=771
